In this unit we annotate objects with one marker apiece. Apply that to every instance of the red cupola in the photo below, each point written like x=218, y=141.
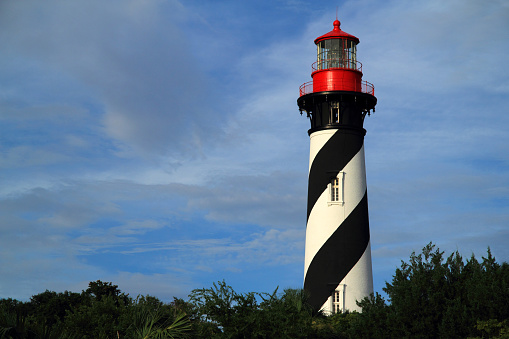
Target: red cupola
x=337, y=97
x=336, y=68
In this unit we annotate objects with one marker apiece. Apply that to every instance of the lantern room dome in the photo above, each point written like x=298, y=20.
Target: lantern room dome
x=337, y=33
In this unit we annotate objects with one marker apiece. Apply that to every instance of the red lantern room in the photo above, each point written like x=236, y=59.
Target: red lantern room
x=337, y=94
x=336, y=67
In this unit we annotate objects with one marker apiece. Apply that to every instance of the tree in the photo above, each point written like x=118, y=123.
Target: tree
x=437, y=297
x=148, y=317
x=13, y=319
x=228, y=314
x=99, y=289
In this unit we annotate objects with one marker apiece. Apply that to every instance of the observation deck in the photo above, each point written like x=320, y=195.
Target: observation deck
x=334, y=85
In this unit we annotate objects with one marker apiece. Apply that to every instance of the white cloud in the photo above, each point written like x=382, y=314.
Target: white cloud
x=134, y=59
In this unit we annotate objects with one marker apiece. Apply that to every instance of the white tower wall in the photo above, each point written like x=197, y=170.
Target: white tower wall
x=327, y=216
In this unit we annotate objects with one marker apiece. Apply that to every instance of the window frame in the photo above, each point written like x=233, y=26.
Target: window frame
x=338, y=299
x=336, y=183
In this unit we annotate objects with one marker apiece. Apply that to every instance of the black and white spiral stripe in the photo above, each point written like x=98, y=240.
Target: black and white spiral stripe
x=337, y=235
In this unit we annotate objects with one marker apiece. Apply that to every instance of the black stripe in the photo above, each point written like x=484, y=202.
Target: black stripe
x=331, y=159
x=338, y=255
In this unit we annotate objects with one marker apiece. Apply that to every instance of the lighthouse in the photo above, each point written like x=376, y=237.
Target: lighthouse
x=337, y=268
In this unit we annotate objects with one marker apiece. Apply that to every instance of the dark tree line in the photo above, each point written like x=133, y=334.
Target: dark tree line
x=430, y=296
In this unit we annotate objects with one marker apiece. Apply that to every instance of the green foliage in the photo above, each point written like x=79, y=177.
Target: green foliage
x=98, y=289
x=493, y=329
x=102, y=311
x=148, y=318
x=224, y=311
x=95, y=319
x=50, y=307
x=22, y=320
x=430, y=296
x=228, y=314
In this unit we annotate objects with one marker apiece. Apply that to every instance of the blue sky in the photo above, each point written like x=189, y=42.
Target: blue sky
x=157, y=144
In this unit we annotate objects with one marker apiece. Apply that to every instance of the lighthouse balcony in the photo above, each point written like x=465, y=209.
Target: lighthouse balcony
x=337, y=63
x=337, y=85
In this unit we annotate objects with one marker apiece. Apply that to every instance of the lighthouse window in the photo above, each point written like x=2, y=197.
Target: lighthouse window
x=338, y=301
x=323, y=55
x=336, y=189
x=334, y=112
x=352, y=55
x=336, y=53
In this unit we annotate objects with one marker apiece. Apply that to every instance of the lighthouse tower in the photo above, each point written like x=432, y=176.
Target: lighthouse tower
x=337, y=269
